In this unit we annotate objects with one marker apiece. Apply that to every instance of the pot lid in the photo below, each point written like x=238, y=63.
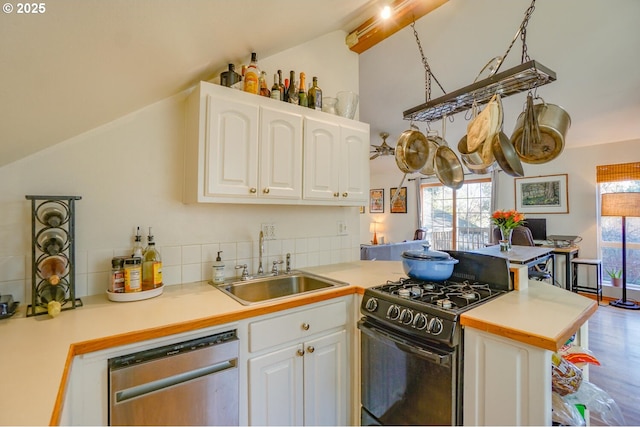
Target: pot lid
x=427, y=255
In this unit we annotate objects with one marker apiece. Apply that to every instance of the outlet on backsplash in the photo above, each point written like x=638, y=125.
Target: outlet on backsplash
x=342, y=228
x=269, y=231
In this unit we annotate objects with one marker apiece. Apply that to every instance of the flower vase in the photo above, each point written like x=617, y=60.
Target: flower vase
x=505, y=242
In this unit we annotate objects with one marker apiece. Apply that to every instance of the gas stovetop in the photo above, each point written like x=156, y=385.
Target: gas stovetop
x=430, y=310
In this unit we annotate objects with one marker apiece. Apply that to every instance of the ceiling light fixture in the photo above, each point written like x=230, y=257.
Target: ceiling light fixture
x=377, y=28
x=386, y=12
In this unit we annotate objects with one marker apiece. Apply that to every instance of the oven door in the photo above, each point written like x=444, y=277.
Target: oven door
x=405, y=382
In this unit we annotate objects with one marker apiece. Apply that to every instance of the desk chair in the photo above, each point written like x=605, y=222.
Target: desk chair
x=522, y=237
x=420, y=234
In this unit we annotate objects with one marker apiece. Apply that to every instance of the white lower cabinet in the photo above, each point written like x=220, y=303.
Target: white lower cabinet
x=305, y=381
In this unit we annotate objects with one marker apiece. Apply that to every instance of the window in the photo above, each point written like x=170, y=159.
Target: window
x=458, y=220
x=619, y=178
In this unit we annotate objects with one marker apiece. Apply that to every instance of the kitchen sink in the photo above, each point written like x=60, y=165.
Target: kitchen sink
x=265, y=289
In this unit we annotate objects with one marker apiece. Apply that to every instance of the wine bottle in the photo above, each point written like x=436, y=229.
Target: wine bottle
x=252, y=76
x=52, y=269
x=293, y=91
x=280, y=85
x=285, y=94
x=230, y=77
x=302, y=92
x=275, y=89
x=52, y=297
x=314, y=97
x=52, y=241
x=151, y=266
x=51, y=216
x=262, y=82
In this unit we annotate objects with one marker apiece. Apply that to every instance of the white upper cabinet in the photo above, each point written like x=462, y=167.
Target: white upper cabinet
x=243, y=148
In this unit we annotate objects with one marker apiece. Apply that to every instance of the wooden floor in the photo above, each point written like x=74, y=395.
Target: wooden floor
x=614, y=339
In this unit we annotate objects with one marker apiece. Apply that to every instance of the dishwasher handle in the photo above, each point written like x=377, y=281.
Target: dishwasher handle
x=166, y=382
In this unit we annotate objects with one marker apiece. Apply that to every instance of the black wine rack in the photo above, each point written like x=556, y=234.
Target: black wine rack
x=52, y=236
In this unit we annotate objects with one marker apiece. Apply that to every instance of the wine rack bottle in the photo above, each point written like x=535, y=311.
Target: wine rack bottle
x=53, y=255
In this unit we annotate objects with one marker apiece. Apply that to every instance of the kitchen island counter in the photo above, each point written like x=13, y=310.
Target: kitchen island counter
x=39, y=350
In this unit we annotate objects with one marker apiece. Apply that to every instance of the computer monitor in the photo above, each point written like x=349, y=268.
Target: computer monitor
x=538, y=227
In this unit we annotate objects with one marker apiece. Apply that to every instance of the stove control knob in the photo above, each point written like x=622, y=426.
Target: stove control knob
x=406, y=316
x=435, y=326
x=420, y=321
x=393, y=312
x=371, y=304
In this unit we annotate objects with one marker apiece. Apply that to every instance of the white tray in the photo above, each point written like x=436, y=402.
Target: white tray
x=134, y=296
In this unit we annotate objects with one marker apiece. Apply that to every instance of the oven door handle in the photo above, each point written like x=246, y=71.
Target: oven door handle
x=407, y=347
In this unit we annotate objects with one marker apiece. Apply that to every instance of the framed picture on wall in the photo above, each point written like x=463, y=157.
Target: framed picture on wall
x=376, y=200
x=542, y=195
x=399, y=205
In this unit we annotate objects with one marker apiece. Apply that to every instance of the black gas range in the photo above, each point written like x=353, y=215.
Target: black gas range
x=412, y=344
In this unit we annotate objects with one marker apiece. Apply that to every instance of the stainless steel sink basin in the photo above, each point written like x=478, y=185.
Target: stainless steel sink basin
x=274, y=287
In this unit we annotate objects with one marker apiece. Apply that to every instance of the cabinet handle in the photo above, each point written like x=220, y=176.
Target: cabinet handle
x=311, y=349
x=266, y=190
x=252, y=190
x=336, y=194
x=345, y=194
x=300, y=352
x=305, y=326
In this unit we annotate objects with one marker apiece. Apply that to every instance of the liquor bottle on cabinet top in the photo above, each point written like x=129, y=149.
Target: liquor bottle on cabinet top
x=252, y=76
x=293, y=91
x=151, y=266
x=230, y=77
x=285, y=94
x=302, y=92
x=314, y=97
x=262, y=82
x=275, y=89
x=280, y=85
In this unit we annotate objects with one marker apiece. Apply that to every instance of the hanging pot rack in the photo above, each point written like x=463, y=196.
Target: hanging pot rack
x=515, y=80
x=524, y=77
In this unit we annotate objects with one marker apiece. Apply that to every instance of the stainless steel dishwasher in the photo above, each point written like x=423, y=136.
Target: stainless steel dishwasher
x=193, y=382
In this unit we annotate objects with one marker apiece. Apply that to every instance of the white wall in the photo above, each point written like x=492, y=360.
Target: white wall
x=129, y=173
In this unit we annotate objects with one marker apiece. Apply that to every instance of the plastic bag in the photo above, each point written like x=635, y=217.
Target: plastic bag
x=578, y=355
x=564, y=413
x=601, y=406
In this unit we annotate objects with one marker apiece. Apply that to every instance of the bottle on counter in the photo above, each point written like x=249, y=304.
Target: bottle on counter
x=314, y=97
x=132, y=275
x=51, y=215
x=275, y=89
x=52, y=297
x=230, y=77
x=52, y=241
x=262, y=82
x=218, y=270
x=252, y=76
x=280, y=85
x=116, y=280
x=302, y=91
x=151, y=266
x=138, y=249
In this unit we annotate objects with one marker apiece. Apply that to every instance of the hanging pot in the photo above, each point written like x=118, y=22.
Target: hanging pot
x=506, y=156
x=448, y=168
x=553, y=122
x=434, y=141
x=412, y=151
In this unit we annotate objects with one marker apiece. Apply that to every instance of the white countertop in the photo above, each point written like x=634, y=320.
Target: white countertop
x=38, y=350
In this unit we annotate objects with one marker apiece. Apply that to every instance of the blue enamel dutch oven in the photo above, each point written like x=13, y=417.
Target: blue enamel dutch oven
x=428, y=265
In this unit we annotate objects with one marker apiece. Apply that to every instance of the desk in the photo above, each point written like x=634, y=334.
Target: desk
x=569, y=253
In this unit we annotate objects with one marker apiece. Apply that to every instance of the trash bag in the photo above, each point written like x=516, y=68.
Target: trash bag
x=601, y=406
x=564, y=413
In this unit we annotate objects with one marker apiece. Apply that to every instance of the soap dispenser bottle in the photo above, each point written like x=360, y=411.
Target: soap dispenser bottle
x=218, y=270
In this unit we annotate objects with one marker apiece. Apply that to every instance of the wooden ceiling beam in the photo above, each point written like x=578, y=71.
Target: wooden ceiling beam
x=376, y=29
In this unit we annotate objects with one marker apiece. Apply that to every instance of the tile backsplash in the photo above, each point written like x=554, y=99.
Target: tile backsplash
x=187, y=263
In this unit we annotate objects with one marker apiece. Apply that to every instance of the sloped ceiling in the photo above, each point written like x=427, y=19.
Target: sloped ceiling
x=83, y=63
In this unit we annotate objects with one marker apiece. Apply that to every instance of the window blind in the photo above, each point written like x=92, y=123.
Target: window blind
x=618, y=172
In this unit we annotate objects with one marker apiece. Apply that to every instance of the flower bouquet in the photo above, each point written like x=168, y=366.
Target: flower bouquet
x=506, y=221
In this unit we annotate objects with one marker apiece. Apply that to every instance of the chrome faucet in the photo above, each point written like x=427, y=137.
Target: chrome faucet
x=245, y=271
x=288, y=263
x=274, y=270
x=260, y=252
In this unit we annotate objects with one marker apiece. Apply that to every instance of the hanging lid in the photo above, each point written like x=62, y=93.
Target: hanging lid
x=426, y=254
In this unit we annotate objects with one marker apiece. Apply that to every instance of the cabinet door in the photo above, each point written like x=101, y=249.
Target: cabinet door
x=321, y=160
x=276, y=393
x=280, y=154
x=326, y=383
x=354, y=171
x=231, y=148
